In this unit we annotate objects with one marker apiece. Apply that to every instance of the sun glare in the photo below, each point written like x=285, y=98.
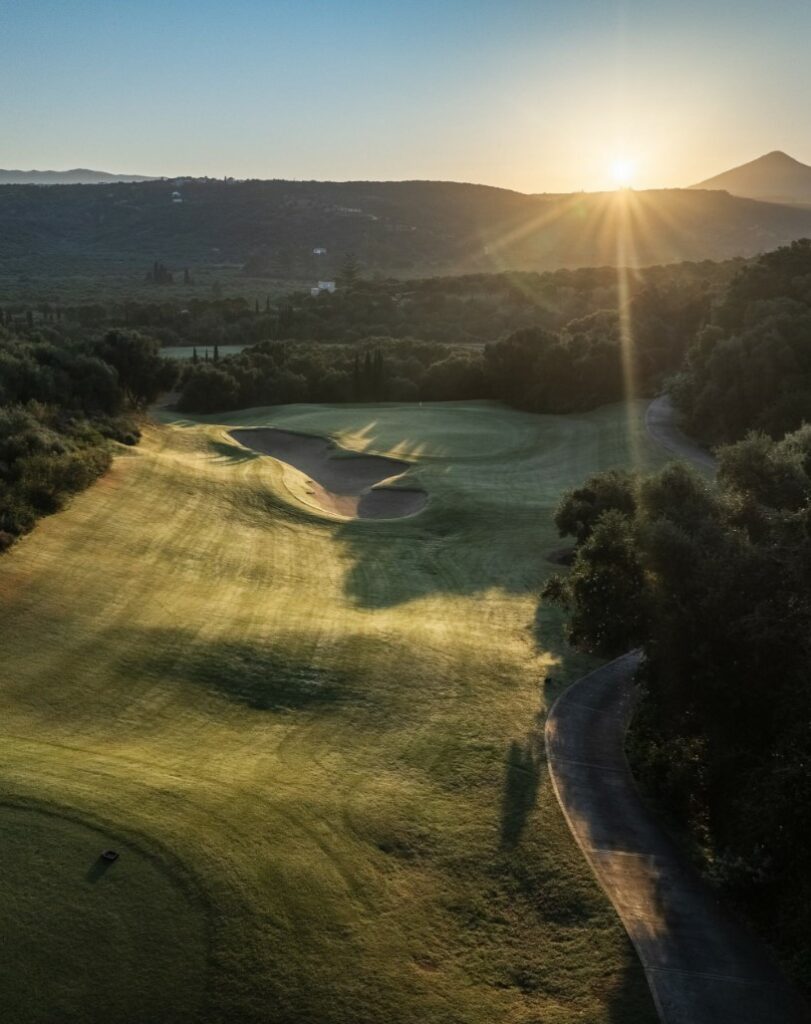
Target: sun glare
x=623, y=172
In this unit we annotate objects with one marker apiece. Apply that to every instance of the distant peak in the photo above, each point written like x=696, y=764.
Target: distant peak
x=777, y=155
x=775, y=177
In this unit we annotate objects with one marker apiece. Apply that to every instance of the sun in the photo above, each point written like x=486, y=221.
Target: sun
x=623, y=171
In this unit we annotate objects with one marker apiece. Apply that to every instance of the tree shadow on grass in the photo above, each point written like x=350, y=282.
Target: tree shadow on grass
x=98, y=869
x=249, y=673
x=628, y=999
x=562, y=893
x=465, y=552
x=454, y=550
x=521, y=781
x=548, y=630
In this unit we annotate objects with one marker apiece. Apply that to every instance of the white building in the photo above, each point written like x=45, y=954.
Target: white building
x=177, y=197
x=319, y=251
x=321, y=287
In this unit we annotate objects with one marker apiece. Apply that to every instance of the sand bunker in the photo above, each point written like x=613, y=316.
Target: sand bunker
x=341, y=482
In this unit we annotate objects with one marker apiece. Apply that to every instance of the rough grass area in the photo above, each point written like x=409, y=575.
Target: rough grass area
x=317, y=744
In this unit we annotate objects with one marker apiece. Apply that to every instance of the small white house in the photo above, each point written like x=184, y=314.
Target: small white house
x=321, y=287
x=319, y=251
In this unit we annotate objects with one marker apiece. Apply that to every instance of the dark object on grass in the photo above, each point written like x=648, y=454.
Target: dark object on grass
x=110, y=855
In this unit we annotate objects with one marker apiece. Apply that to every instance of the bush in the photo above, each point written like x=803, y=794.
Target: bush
x=60, y=404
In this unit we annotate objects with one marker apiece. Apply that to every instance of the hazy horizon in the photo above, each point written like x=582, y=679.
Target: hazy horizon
x=538, y=97
x=136, y=176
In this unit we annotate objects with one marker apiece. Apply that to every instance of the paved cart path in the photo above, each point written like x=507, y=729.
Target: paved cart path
x=702, y=965
x=660, y=422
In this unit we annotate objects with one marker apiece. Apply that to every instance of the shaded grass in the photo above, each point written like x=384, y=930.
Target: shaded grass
x=73, y=931
x=332, y=726
x=521, y=780
x=251, y=674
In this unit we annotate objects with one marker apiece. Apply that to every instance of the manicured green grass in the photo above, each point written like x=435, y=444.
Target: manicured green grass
x=78, y=928
x=317, y=743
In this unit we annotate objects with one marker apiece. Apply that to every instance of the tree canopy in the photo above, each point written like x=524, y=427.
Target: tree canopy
x=713, y=582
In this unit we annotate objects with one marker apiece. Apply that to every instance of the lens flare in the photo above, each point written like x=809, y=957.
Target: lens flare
x=623, y=171
x=625, y=261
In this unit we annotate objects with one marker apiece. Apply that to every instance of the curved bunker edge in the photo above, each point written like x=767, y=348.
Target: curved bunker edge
x=344, y=483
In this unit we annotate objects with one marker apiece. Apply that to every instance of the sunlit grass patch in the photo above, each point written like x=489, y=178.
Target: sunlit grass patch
x=330, y=727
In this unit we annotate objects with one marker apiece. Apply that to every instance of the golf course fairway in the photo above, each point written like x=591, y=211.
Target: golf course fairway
x=315, y=743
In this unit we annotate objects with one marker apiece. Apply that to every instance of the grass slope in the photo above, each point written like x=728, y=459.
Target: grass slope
x=317, y=744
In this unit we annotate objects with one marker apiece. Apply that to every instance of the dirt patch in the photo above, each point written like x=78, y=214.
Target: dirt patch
x=340, y=482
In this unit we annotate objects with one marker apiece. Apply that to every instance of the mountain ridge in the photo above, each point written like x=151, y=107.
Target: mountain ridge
x=293, y=230
x=774, y=177
x=74, y=176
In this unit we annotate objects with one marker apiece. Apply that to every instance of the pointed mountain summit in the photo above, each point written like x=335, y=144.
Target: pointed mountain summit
x=775, y=177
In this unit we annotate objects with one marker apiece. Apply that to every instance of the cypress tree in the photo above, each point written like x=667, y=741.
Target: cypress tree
x=368, y=375
x=356, y=378
x=379, y=374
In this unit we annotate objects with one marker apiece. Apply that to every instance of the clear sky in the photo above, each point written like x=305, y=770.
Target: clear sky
x=538, y=96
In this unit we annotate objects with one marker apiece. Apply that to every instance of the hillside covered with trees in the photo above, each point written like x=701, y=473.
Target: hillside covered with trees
x=300, y=231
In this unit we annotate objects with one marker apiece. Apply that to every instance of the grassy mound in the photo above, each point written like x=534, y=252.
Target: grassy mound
x=330, y=730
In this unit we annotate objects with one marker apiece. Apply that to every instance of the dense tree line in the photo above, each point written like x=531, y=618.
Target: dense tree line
x=750, y=366
x=578, y=366
x=380, y=369
x=61, y=404
x=538, y=357
x=486, y=307
x=550, y=342
x=713, y=582
x=473, y=309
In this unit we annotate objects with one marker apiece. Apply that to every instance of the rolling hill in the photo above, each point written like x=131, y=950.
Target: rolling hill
x=400, y=229
x=775, y=177
x=77, y=176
